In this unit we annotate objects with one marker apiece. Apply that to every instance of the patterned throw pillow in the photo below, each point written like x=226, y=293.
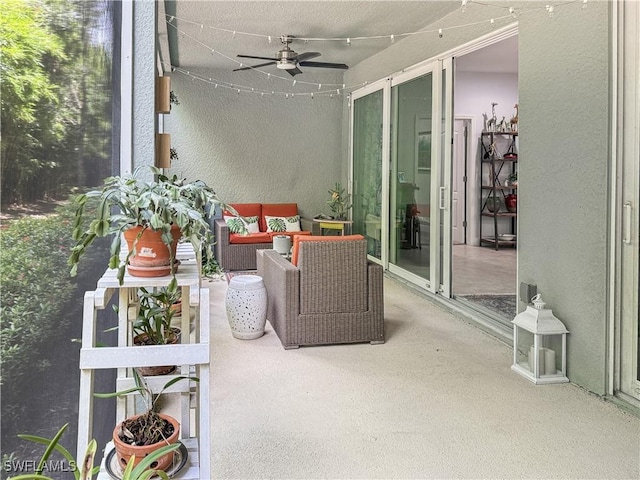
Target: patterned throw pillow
x=283, y=224
x=235, y=224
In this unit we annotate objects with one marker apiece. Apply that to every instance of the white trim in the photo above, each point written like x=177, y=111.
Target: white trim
x=613, y=272
x=126, y=88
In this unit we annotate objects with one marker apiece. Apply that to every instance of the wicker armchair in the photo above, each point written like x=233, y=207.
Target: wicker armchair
x=333, y=295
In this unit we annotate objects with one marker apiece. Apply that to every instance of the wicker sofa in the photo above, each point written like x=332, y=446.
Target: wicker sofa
x=329, y=293
x=236, y=251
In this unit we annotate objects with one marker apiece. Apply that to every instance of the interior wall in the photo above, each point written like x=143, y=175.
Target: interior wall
x=563, y=204
x=251, y=148
x=473, y=94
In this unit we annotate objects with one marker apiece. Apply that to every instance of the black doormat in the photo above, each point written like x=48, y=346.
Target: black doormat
x=502, y=304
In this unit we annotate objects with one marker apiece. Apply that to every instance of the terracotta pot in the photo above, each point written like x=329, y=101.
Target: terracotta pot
x=142, y=340
x=124, y=451
x=152, y=257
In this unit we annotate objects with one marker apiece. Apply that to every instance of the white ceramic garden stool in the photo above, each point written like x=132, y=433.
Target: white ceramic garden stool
x=246, y=303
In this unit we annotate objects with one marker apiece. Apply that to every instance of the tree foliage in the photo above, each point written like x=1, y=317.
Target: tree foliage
x=56, y=96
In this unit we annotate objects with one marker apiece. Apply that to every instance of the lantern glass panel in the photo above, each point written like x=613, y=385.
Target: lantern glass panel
x=525, y=344
x=552, y=348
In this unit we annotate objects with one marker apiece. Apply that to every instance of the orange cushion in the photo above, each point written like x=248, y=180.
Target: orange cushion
x=247, y=210
x=291, y=234
x=277, y=210
x=260, y=237
x=318, y=238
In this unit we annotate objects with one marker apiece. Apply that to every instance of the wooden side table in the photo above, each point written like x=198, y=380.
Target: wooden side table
x=333, y=225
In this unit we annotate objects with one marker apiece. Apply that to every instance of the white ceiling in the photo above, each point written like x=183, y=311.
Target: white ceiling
x=197, y=28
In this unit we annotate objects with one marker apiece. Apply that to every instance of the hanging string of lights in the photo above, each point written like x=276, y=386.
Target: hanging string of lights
x=333, y=89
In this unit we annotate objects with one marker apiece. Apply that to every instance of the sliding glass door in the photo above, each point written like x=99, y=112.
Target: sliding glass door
x=402, y=174
x=368, y=187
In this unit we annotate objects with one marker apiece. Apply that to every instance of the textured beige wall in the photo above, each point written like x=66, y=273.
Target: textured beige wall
x=251, y=148
x=144, y=119
x=564, y=174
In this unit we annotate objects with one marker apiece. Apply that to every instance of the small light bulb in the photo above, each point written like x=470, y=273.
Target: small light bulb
x=348, y=42
x=294, y=82
x=319, y=86
x=440, y=32
x=393, y=39
x=269, y=37
x=493, y=23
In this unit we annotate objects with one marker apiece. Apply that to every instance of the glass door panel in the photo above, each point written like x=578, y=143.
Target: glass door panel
x=367, y=170
x=410, y=182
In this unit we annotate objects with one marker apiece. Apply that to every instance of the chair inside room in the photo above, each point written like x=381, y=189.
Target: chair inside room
x=328, y=294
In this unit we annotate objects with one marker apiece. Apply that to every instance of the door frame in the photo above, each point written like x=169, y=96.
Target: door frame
x=624, y=304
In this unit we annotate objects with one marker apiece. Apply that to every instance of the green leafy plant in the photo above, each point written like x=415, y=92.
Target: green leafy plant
x=211, y=268
x=84, y=470
x=155, y=312
x=339, y=202
x=130, y=200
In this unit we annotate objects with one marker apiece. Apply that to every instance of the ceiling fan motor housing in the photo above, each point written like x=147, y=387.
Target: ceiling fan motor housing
x=286, y=59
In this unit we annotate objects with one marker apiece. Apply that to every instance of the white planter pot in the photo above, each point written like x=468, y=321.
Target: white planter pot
x=282, y=244
x=246, y=303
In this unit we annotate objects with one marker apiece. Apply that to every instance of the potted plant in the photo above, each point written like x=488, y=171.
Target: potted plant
x=152, y=325
x=141, y=435
x=151, y=214
x=339, y=202
x=85, y=470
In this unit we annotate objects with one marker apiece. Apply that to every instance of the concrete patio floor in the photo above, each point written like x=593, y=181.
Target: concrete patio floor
x=437, y=400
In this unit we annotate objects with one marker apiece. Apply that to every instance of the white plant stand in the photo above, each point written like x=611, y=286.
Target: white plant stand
x=192, y=356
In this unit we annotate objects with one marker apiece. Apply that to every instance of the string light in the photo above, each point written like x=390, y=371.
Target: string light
x=440, y=31
x=348, y=40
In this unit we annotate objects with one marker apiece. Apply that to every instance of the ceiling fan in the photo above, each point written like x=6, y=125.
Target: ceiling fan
x=287, y=59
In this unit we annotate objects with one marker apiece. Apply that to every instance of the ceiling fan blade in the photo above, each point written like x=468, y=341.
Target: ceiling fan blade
x=293, y=71
x=257, y=58
x=323, y=65
x=254, y=66
x=307, y=56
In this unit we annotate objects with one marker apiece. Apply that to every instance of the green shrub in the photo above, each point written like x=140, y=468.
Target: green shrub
x=36, y=287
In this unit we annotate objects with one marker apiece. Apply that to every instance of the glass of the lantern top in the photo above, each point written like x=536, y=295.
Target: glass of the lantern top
x=539, y=345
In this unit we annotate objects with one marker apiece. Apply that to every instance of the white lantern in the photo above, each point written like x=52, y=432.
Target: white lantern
x=539, y=345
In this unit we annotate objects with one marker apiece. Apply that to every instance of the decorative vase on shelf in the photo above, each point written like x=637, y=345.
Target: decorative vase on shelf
x=511, y=202
x=493, y=204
